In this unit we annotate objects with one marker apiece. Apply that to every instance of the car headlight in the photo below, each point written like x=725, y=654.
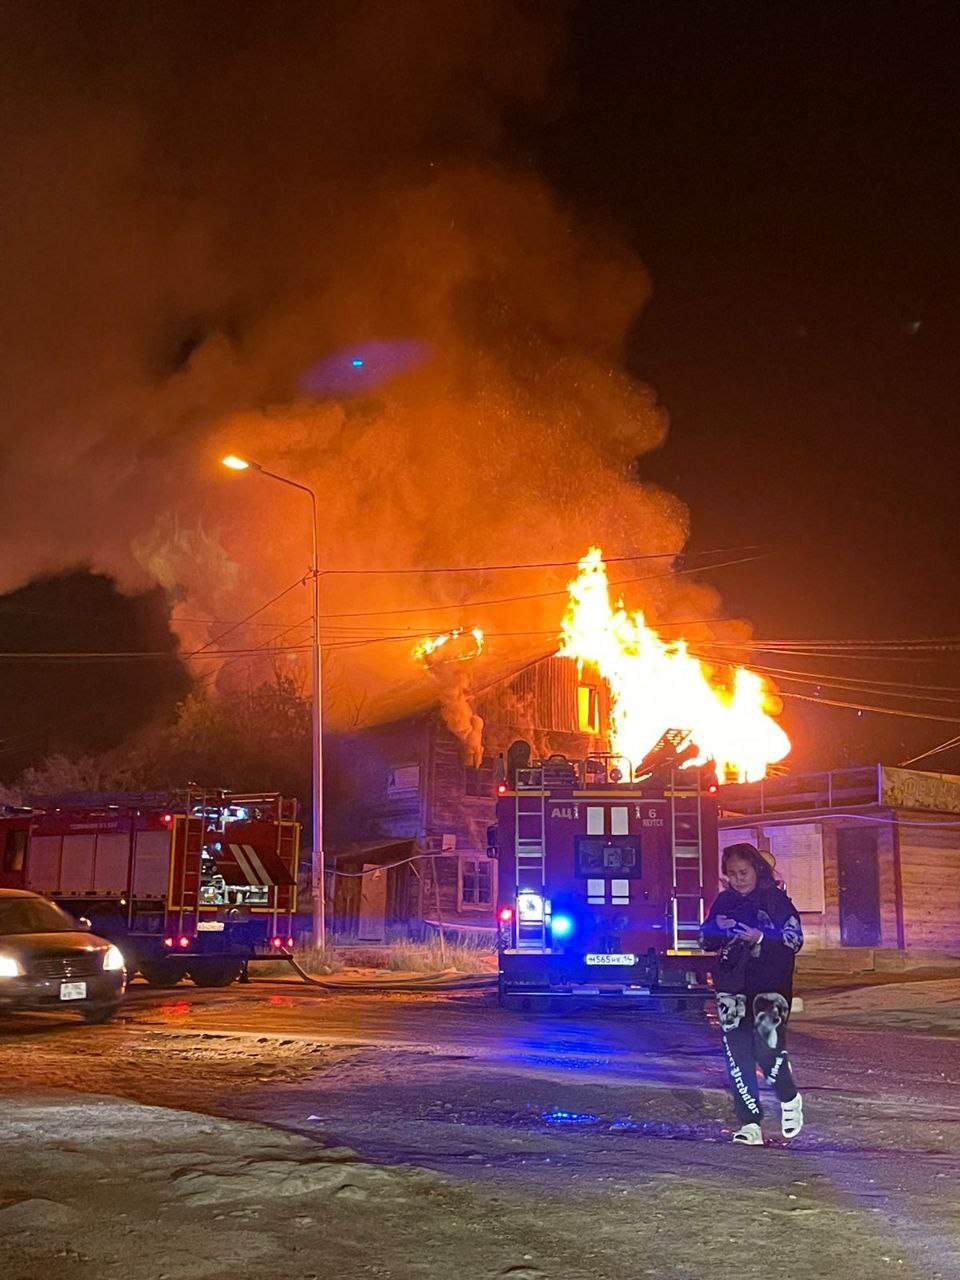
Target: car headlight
x=10, y=967
x=113, y=959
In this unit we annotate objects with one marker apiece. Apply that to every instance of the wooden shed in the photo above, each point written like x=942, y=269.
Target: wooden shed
x=871, y=856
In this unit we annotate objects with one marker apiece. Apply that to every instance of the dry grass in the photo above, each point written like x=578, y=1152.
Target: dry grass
x=396, y=957
x=426, y=957
x=321, y=961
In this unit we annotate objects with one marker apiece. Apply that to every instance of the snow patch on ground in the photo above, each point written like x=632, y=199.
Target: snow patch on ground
x=936, y=1001
x=116, y=1184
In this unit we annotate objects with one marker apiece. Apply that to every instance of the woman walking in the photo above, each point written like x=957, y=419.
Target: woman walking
x=756, y=930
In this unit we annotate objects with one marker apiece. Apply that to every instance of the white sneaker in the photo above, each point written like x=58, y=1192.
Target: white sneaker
x=791, y=1117
x=750, y=1135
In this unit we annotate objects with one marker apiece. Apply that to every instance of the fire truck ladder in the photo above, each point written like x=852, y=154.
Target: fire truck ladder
x=529, y=831
x=686, y=838
x=194, y=838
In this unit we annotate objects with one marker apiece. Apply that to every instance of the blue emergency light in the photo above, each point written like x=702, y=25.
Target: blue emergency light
x=562, y=926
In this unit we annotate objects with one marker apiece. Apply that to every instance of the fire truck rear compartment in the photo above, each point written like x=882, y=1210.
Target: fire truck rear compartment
x=602, y=883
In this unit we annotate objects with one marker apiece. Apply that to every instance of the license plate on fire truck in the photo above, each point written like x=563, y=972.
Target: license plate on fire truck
x=625, y=957
x=73, y=991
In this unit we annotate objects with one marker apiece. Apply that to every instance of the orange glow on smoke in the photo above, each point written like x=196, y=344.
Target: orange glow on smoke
x=657, y=685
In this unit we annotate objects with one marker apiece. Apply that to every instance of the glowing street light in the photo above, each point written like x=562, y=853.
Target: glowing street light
x=234, y=463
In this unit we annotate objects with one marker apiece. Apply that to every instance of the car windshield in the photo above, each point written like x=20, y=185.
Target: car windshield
x=32, y=915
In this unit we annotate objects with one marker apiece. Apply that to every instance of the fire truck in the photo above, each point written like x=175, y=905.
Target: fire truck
x=602, y=879
x=188, y=884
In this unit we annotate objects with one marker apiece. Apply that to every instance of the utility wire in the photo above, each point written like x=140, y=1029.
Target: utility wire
x=889, y=688
x=841, y=647
x=450, y=569
x=934, y=751
x=542, y=564
x=243, y=621
x=857, y=706
x=539, y=595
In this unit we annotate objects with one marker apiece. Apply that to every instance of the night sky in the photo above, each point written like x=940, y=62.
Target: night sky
x=787, y=175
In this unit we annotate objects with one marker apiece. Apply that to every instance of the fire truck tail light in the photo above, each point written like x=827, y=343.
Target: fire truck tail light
x=712, y=789
x=183, y=941
x=168, y=942
x=276, y=943
x=167, y=819
x=506, y=915
x=501, y=789
x=290, y=943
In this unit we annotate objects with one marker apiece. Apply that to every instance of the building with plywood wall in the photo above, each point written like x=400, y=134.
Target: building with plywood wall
x=870, y=856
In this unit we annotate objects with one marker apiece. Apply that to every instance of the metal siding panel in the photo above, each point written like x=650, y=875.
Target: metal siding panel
x=151, y=868
x=43, y=864
x=76, y=874
x=111, y=863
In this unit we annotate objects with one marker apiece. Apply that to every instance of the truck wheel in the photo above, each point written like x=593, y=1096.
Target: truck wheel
x=162, y=975
x=215, y=973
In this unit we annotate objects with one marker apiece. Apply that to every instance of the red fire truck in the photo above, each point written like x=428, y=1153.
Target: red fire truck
x=192, y=884
x=602, y=880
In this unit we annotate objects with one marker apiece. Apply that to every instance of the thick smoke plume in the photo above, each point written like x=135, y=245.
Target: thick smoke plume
x=211, y=213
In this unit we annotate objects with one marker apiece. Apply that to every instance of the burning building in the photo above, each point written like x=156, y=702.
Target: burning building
x=411, y=801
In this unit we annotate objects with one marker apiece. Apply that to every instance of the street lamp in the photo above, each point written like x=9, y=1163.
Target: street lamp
x=235, y=463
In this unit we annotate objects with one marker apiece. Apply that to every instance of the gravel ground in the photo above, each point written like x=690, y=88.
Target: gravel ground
x=262, y=1131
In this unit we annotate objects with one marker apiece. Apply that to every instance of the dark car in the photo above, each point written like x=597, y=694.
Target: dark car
x=48, y=961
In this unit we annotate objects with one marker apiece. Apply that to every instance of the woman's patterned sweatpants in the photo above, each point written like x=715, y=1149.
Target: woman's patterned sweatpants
x=754, y=1035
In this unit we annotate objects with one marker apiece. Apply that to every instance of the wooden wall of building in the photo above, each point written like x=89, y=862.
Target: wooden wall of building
x=930, y=869
x=822, y=929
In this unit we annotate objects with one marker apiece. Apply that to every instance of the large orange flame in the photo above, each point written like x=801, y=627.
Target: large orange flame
x=657, y=685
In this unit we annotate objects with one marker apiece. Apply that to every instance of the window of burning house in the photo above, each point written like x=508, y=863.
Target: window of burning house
x=588, y=708
x=476, y=882
x=479, y=781
x=403, y=782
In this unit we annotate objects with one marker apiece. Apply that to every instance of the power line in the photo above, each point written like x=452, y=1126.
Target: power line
x=266, y=648
x=887, y=688
x=542, y=564
x=857, y=706
x=243, y=621
x=934, y=751
x=841, y=647
x=395, y=572
x=539, y=595
x=768, y=818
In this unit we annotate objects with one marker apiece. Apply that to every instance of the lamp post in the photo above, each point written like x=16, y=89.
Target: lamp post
x=317, y=879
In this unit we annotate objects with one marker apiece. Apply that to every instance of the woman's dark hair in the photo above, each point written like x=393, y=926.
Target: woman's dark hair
x=749, y=853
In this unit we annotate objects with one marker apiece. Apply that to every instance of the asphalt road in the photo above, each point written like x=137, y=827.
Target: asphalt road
x=563, y=1116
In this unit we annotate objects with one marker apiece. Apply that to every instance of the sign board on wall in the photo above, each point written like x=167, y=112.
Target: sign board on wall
x=910, y=789
x=798, y=853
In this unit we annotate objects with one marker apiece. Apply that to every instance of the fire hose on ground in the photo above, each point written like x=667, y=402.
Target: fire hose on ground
x=444, y=981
